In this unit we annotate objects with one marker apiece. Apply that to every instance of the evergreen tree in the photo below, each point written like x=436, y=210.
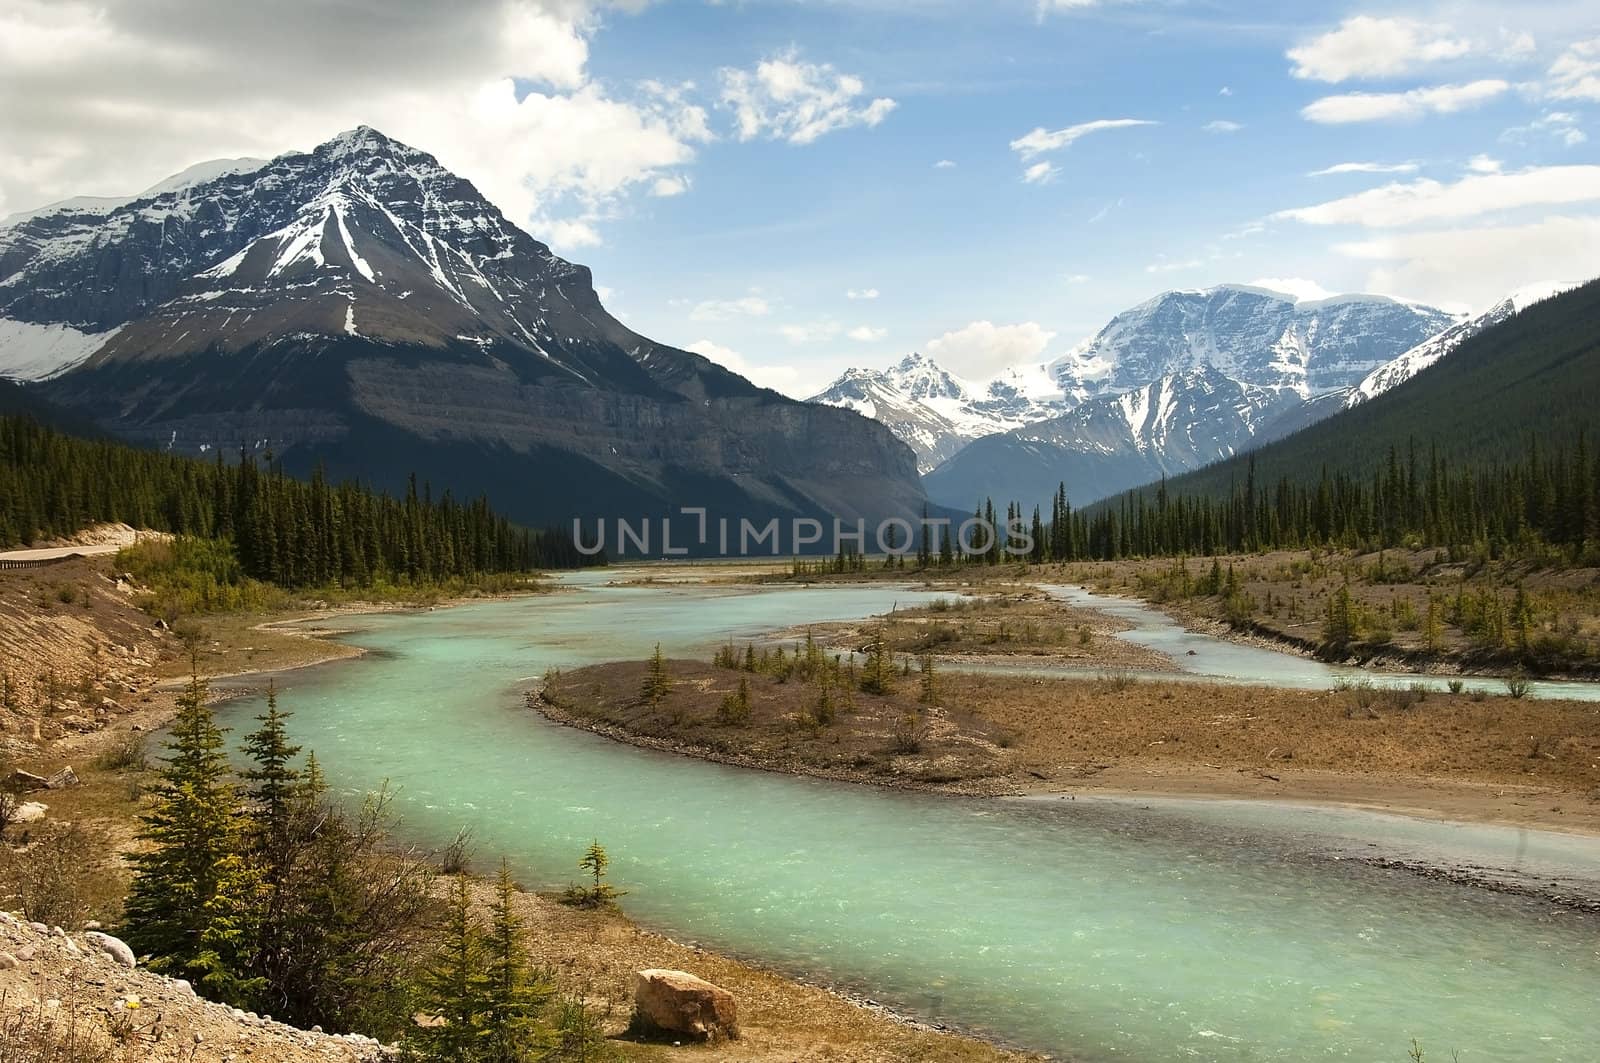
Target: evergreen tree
x=516, y=995
x=656, y=681
x=195, y=892
x=457, y=988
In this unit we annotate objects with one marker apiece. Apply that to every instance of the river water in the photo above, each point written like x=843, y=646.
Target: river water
x=1098, y=930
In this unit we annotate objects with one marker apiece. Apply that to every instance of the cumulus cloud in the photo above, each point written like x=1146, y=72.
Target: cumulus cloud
x=1042, y=140
x=104, y=99
x=1470, y=268
x=1415, y=103
x=1576, y=74
x=1368, y=47
x=945, y=164
x=1428, y=201
x=1040, y=173
x=867, y=334
x=784, y=378
x=752, y=305
x=786, y=98
x=1364, y=167
x=1222, y=125
x=1302, y=289
x=982, y=349
x=861, y=293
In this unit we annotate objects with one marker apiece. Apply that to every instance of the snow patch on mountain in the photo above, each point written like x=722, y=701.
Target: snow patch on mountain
x=1253, y=335
x=39, y=352
x=935, y=411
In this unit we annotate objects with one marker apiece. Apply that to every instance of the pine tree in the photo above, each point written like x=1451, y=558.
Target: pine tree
x=456, y=988
x=928, y=692
x=878, y=675
x=195, y=894
x=276, y=782
x=516, y=995
x=656, y=681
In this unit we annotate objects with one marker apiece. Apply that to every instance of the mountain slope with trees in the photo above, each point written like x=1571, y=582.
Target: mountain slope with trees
x=1537, y=373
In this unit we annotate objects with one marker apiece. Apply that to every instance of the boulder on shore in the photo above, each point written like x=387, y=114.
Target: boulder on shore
x=21, y=781
x=116, y=948
x=678, y=1003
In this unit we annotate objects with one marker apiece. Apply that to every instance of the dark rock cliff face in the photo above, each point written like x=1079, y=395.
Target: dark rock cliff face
x=360, y=307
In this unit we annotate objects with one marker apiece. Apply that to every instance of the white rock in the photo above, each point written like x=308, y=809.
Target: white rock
x=113, y=947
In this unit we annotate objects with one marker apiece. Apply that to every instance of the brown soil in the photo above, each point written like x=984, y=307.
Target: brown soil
x=597, y=952
x=1495, y=759
x=891, y=740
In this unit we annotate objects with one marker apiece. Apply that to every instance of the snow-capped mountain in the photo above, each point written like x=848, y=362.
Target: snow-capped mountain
x=361, y=306
x=1253, y=335
x=931, y=409
x=1178, y=422
x=1430, y=350
x=1279, y=361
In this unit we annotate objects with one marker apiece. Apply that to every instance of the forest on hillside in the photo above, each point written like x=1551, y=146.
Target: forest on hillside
x=285, y=531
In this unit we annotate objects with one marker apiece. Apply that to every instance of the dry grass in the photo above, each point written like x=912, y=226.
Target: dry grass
x=598, y=952
x=1006, y=620
x=890, y=740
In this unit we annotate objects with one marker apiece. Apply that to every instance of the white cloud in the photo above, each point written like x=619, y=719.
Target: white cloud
x=786, y=98
x=723, y=309
x=1042, y=140
x=1364, y=167
x=1225, y=91
x=784, y=378
x=1302, y=289
x=1576, y=74
x=1424, y=201
x=1222, y=125
x=1382, y=106
x=1367, y=47
x=861, y=293
x=867, y=334
x=813, y=332
x=1078, y=278
x=671, y=185
x=1562, y=125
x=982, y=349
x=99, y=99
x=1471, y=268
x=1040, y=173
x=1484, y=164
x=945, y=164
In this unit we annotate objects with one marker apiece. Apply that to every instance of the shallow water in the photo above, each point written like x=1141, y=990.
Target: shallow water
x=1099, y=930
x=1206, y=657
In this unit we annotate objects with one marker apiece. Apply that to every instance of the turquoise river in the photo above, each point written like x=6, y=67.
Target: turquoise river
x=1095, y=930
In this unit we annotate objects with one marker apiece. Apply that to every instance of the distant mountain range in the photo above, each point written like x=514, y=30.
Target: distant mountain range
x=1530, y=378
x=932, y=410
x=360, y=307
x=1183, y=379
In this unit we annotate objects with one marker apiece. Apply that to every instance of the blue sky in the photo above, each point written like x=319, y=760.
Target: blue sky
x=1126, y=212
x=762, y=180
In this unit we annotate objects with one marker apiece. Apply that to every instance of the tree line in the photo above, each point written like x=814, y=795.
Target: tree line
x=1547, y=499
x=285, y=531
